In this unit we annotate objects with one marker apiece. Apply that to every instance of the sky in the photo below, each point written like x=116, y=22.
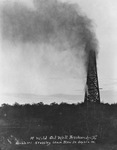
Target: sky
x=38, y=69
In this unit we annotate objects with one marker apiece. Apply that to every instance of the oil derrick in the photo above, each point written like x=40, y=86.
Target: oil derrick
x=92, y=87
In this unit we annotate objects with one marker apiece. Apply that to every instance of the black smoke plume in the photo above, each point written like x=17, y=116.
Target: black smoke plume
x=51, y=22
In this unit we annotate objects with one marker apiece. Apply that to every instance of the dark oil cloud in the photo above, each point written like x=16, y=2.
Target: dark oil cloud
x=50, y=21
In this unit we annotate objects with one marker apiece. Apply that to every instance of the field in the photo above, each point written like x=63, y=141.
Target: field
x=58, y=147
x=65, y=126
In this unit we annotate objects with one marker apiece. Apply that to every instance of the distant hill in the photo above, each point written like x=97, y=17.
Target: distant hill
x=33, y=98
x=107, y=96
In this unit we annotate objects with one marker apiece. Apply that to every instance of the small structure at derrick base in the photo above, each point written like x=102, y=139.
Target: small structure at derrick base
x=92, y=93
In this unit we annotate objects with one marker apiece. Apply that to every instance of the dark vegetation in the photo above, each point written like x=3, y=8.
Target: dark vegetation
x=24, y=121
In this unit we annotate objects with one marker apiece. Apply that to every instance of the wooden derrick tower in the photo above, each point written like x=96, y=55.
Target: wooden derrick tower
x=92, y=87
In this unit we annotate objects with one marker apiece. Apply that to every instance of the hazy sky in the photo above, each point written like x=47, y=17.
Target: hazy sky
x=45, y=71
